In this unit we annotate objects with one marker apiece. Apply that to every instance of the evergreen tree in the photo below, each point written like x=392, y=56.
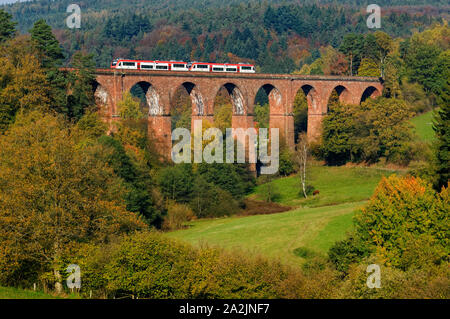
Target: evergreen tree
x=7, y=26
x=47, y=44
x=51, y=57
x=442, y=129
x=81, y=83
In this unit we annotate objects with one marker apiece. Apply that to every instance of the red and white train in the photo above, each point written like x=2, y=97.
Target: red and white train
x=182, y=66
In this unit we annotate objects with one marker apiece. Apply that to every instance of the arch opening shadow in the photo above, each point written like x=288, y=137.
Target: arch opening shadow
x=370, y=92
x=311, y=97
x=339, y=95
x=197, y=101
x=300, y=112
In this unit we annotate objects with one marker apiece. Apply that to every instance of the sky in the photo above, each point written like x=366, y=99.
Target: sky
x=10, y=1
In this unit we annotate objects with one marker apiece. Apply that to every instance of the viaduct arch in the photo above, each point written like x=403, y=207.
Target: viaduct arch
x=160, y=88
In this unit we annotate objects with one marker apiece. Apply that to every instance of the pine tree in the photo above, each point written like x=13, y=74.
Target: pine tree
x=51, y=57
x=81, y=83
x=7, y=26
x=47, y=44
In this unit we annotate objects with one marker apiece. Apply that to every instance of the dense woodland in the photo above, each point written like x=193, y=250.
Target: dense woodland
x=279, y=36
x=74, y=191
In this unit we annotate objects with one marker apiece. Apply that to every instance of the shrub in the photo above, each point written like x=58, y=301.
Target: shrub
x=429, y=283
x=149, y=265
x=286, y=165
x=177, y=215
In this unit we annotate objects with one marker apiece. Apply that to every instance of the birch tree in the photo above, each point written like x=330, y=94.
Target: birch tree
x=301, y=160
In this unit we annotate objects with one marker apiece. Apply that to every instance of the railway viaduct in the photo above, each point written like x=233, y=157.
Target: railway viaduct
x=160, y=88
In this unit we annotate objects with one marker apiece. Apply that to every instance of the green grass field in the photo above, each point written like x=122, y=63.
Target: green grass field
x=423, y=125
x=15, y=293
x=276, y=235
x=313, y=226
x=337, y=185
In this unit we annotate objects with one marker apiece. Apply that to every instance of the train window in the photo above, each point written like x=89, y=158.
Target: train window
x=231, y=69
x=202, y=66
x=129, y=63
x=218, y=69
x=179, y=65
x=143, y=66
x=248, y=68
x=114, y=63
x=161, y=67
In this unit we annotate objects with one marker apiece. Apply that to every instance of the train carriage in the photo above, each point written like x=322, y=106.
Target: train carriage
x=180, y=66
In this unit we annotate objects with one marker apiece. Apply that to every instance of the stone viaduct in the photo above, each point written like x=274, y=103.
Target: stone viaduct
x=160, y=88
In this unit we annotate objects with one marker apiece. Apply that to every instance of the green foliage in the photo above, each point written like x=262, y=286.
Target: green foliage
x=262, y=115
x=273, y=35
x=337, y=132
x=53, y=194
x=300, y=114
x=81, y=83
x=286, y=165
x=129, y=108
x=442, y=158
x=148, y=265
x=7, y=26
x=47, y=44
x=404, y=225
x=377, y=128
x=138, y=185
x=92, y=125
x=51, y=57
x=176, y=182
x=349, y=251
x=177, y=216
x=368, y=67
x=430, y=283
x=23, y=86
x=209, y=189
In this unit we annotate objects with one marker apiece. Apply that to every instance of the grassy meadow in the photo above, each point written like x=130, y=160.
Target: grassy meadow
x=336, y=185
x=16, y=293
x=423, y=126
x=310, y=228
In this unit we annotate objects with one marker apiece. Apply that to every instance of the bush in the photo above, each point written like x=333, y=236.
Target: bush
x=432, y=283
x=177, y=215
x=286, y=165
x=149, y=265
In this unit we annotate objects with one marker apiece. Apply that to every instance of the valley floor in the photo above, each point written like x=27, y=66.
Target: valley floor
x=308, y=229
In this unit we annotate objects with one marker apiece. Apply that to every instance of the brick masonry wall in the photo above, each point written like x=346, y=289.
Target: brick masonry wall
x=203, y=87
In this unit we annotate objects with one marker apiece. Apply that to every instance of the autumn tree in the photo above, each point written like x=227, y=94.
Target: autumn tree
x=23, y=84
x=54, y=193
x=368, y=67
x=384, y=42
